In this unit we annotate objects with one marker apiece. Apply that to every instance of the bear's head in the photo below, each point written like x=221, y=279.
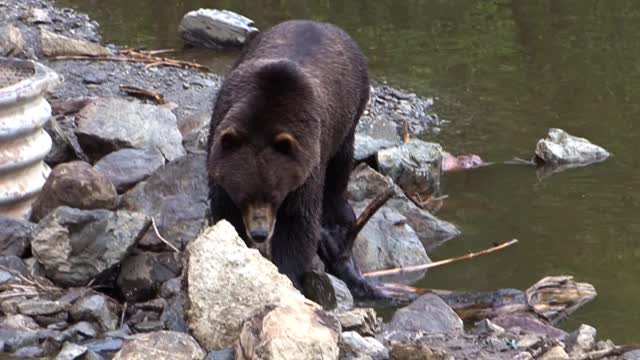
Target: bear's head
x=268, y=141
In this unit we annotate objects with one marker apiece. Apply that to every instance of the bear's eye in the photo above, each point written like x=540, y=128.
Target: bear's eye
x=284, y=143
x=229, y=139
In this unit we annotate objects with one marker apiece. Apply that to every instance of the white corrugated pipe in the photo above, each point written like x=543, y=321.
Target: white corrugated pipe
x=23, y=141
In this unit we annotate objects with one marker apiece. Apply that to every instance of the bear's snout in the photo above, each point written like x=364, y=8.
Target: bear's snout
x=259, y=221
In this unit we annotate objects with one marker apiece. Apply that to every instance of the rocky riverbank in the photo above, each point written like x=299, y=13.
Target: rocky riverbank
x=118, y=260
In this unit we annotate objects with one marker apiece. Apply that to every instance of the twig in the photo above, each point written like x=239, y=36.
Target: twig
x=155, y=228
x=11, y=295
x=124, y=310
x=368, y=212
x=32, y=282
x=134, y=90
x=141, y=58
x=414, y=268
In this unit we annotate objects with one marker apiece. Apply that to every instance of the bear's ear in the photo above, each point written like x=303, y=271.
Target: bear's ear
x=229, y=138
x=285, y=143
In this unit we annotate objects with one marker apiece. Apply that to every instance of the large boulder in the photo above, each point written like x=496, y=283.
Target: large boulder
x=215, y=28
x=302, y=332
x=110, y=124
x=127, y=167
x=161, y=345
x=177, y=197
x=428, y=314
x=415, y=166
x=227, y=284
x=366, y=184
x=74, y=246
x=75, y=184
x=560, y=148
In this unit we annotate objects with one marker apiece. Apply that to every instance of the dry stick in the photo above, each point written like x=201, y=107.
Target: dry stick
x=155, y=228
x=146, y=59
x=413, y=268
x=134, y=90
x=124, y=310
x=368, y=212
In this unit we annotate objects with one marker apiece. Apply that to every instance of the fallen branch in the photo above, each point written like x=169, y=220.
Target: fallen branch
x=142, y=92
x=33, y=283
x=155, y=228
x=368, y=212
x=141, y=58
x=414, y=268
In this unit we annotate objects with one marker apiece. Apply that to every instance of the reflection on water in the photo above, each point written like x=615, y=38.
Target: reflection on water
x=503, y=71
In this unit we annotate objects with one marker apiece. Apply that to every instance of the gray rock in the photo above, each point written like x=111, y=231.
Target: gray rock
x=78, y=332
x=219, y=262
x=59, y=45
x=56, y=321
x=561, y=148
x=631, y=355
x=275, y=334
x=177, y=196
x=11, y=266
x=71, y=351
x=355, y=347
x=194, y=122
x=377, y=134
x=15, y=236
x=65, y=145
x=486, y=327
x=366, y=146
x=428, y=314
x=111, y=124
x=366, y=184
x=171, y=288
x=160, y=345
x=12, y=42
x=142, y=275
x=74, y=245
x=387, y=241
x=15, y=339
x=215, y=28
x=327, y=291
x=227, y=354
x=96, y=308
x=29, y=352
x=364, y=321
x=38, y=16
x=581, y=341
x=127, y=167
x=149, y=326
x=40, y=307
x=75, y=184
x=415, y=166
x=104, y=346
x=173, y=316
x=19, y=322
x=195, y=142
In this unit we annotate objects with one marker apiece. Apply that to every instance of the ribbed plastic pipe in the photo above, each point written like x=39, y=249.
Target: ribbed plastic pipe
x=23, y=141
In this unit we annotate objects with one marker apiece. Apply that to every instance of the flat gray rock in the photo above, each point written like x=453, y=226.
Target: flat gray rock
x=160, y=345
x=215, y=28
x=561, y=148
x=110, y=124
x=127, y=167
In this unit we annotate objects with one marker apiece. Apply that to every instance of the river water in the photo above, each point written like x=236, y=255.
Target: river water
x=502, y=73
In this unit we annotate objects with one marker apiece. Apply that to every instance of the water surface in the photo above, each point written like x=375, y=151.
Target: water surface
x=502, y=73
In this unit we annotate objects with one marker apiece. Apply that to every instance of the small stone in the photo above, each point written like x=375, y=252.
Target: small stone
x=46, y=320
x=127, y=167
x=415, y=166
x=556, y=353
x=215, y=28
x=524, y=355
x=40, y=307
x=71, y=351
x=95, y=308
x=160, y=345
x=581, y=341
x=29, y=352
x=173, y=315
x=142, y=275
x=15, y=235
x=227, y=354
x=353, y=346
x=75, y=246
x=104, y=346
x=631, y=355
x=19, y=322
x=39, y=16
x=486, y=327
x=75, y=184
x=149, y=326
x=361, y=320
x=327, y=291
x=94, y=78
x=528, y=341
x=411, y=352
x=428, y=314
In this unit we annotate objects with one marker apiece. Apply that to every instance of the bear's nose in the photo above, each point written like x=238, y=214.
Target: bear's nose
x=259, y=236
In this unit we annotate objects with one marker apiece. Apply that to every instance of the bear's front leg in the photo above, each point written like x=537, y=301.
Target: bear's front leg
x=297, y=233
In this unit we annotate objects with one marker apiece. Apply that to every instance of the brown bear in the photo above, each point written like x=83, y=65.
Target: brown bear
x=280, y=147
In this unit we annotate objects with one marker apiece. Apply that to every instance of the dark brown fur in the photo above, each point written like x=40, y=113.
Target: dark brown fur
x=308, y=81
